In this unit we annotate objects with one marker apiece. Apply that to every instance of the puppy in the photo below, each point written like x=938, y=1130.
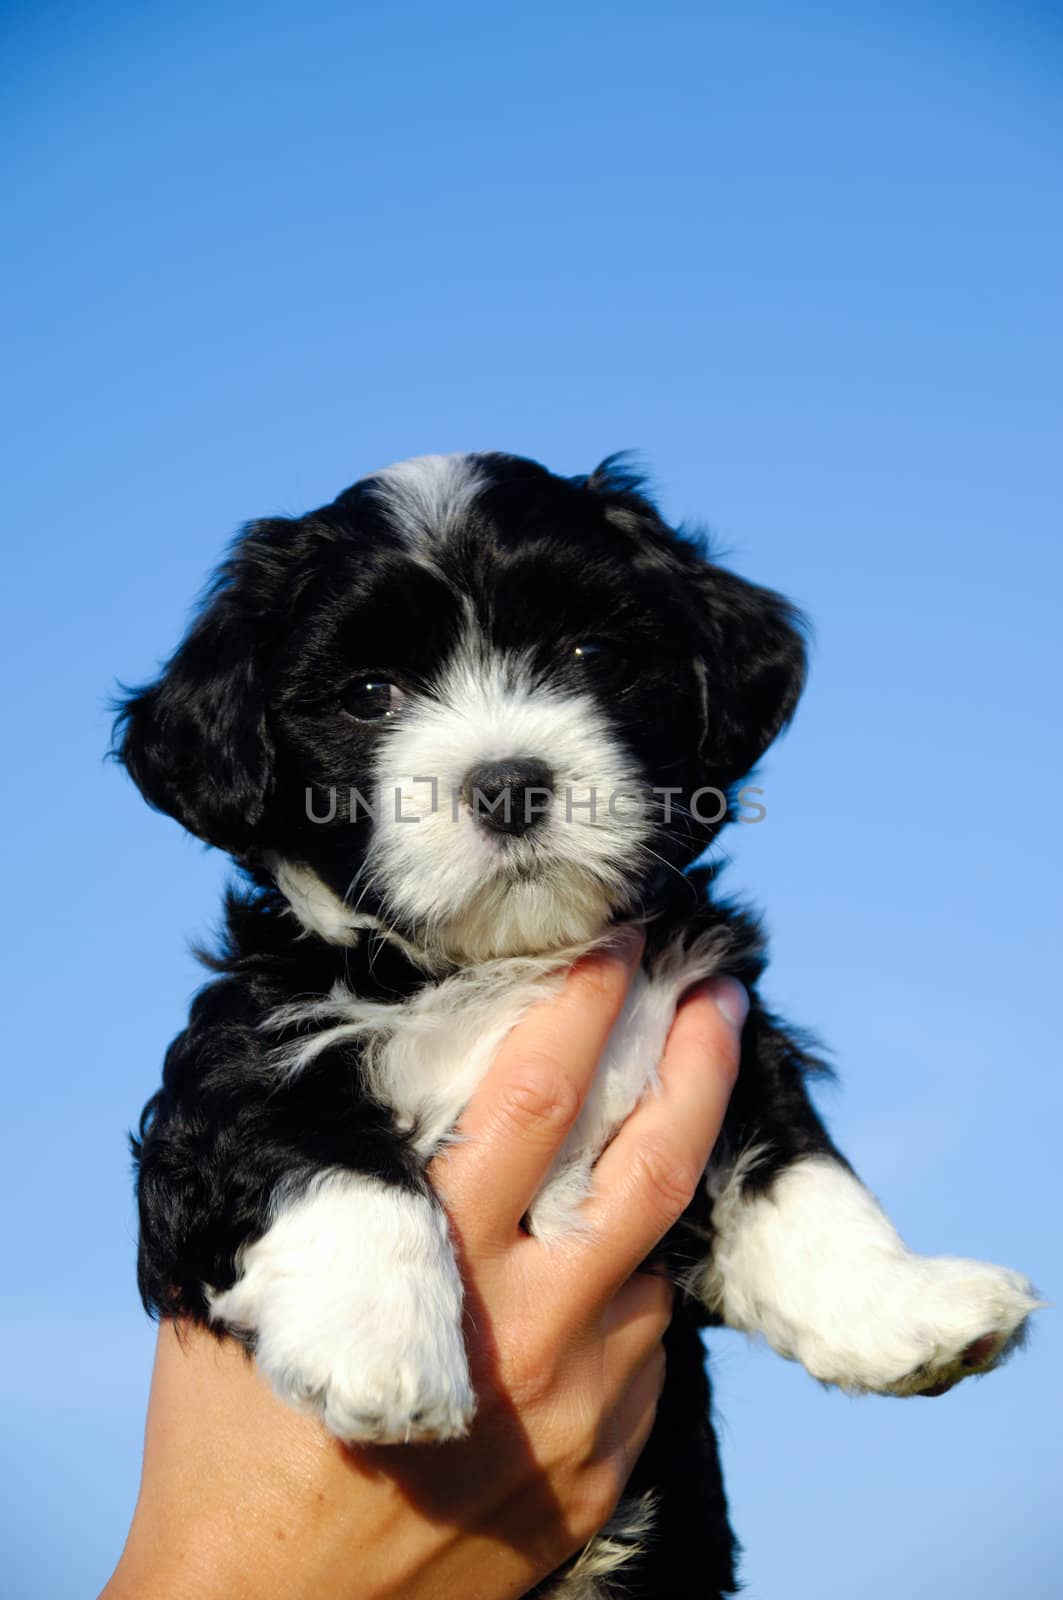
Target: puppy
x=454, y=728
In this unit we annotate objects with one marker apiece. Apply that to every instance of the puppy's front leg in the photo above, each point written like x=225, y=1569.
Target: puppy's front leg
x=816, y=1266
x=804, y=1255
x=353, y=1301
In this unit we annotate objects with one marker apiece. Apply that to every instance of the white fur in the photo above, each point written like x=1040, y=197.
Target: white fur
x=354, y=1300
x=424, y=1057
x=818, y=1268
x=608, y=1553
x=428, y=497
x=471, y=894
x=319, y=910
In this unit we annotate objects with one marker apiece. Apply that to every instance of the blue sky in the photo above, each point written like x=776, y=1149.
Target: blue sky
x=808, y=260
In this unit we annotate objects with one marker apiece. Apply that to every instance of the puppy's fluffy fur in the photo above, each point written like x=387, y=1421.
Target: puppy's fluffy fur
x=364, y=692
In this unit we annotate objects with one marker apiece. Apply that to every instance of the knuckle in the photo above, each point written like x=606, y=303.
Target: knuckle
x=600, y=977
x=539, y=1100
x=601, y=1490
x=534, y=1366
x=669, y=1175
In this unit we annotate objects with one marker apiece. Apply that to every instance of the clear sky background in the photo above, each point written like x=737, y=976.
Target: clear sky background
x=808, y=260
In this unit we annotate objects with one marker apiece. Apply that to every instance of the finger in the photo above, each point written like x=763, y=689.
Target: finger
x=520, y=1115
x=650, y=1173
x=634, y=1323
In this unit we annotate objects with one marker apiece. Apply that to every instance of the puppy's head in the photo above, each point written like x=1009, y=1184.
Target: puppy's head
x=469, y=702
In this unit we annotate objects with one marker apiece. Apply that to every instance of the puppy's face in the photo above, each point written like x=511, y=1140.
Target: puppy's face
x=469, y=702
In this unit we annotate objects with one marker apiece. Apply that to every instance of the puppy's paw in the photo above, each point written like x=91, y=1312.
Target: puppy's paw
x=391, y=1385
x=354, y=1301
x=817, y=1268
x=907, y=1324
x=963, y=1317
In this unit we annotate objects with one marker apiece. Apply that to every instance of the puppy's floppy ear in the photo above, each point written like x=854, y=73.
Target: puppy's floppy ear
x=750, y=652
x=197, y=741
x=751, y=665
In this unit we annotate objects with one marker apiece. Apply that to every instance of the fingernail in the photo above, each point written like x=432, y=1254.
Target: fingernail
x=626, y=945
x=730, y=999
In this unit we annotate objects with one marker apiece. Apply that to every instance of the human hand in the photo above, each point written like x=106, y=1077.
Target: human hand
x=245, y=1499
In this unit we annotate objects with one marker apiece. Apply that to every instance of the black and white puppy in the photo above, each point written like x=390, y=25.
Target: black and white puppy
x=455, y=727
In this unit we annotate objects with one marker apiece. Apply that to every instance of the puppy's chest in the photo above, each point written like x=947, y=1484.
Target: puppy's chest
x=424, y=1057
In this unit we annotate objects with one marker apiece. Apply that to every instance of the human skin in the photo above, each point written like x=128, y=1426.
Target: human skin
x=243, y=1498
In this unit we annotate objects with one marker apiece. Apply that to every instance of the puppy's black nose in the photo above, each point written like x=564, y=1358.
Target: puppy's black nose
x=509, y=796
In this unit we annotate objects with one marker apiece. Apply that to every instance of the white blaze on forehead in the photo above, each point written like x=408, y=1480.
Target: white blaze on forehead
x=429, y=495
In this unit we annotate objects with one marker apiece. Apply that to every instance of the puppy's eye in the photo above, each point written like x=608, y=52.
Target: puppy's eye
x=590, y=650
x=371, y=699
